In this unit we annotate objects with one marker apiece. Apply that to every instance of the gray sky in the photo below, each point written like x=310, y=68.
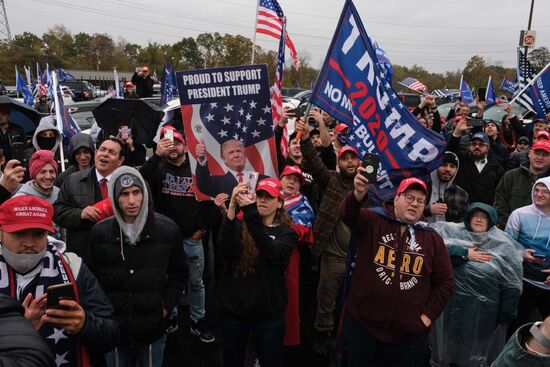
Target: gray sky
x=439, y=35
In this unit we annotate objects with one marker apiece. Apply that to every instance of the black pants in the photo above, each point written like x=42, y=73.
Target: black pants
x=362, y=349
x=532, y=299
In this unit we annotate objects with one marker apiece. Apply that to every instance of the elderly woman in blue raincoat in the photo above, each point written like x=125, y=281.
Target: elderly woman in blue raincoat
x=488, y=282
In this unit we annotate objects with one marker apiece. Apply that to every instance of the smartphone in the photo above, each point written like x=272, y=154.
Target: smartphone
x=481, y=94
x=169, y=134
x=18, y=151
x=539, y=256
x=370, y=164
x=252, y=179
x=58, y=292
x=124, y=132
x=476, y=122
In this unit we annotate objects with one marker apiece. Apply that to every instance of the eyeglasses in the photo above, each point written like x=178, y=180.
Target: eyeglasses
x=543, y=192
x=411, y=198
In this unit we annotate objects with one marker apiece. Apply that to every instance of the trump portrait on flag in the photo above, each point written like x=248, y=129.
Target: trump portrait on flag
x=228, y=124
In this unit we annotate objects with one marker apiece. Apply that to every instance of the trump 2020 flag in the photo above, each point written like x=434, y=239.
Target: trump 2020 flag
x=507, y=86
x=64, y=75
x=228, y=127
x=353, y=88
x=490, y=95
x=465, y=92
x=22, y=87
x=540, y=93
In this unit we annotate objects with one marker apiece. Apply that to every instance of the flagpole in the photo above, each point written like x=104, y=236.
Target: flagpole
x=255, y=29
x=460, y=85
x=58, y=117
x=530, y=83
x=487, y=89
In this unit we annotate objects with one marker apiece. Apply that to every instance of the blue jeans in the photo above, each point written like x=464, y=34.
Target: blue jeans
x=194, y=257
x=268, y=339
x=126, y=355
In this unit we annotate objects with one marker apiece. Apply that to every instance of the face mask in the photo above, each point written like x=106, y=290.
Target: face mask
x=46, y=143
x=342, y=138
x=22, y=263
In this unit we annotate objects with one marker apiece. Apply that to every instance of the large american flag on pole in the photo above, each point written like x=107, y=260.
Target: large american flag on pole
x=270, y=22
x=277, y=99
x=525, y=74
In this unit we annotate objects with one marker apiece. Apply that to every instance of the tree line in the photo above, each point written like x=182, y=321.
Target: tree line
x=98, y=51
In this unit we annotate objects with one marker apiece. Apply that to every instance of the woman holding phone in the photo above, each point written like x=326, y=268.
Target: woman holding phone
x=256, y=244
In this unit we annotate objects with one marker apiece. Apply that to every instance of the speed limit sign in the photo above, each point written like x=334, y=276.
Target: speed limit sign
x=527, y=38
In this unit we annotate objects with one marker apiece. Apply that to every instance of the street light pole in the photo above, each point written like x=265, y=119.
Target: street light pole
x=530, y=19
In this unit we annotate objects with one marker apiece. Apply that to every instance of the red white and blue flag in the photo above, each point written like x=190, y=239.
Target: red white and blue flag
x=271, y=22
x=277, y=99
x=223, y=104
x=413, y=84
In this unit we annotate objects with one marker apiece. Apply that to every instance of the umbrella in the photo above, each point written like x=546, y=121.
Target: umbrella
x=21, y=114
x=143, y=116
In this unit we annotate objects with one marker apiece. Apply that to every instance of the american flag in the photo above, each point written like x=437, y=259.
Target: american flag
x=525, y=74
x=248, y=120
x=277, y=99
x=413, y=84
x=270, y=22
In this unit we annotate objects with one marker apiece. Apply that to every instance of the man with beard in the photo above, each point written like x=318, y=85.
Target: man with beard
x=331, y=234
x=168, y=173
x=479, y=171
x=514, y=189
x=447, y=201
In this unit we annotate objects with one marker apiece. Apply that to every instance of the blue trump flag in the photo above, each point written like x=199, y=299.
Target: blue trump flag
x=23, y=88
x=508, y=86
x=540, y=93
x=166, y=85
x=465, y=92
x=64, y=75
x=490, y=96
x=354, y=89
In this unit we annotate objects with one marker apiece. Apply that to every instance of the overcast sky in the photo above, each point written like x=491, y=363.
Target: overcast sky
x=439, y=35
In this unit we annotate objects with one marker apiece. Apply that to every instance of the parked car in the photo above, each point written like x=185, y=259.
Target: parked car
x=85, y=106
x=82, y=90
x=291, y=92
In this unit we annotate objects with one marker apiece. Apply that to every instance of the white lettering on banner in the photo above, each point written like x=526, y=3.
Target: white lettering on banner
x=194, y=79
x=423, y=146
x=404, y=130
x=350, y=41
x=241, y=75
x=337, y=96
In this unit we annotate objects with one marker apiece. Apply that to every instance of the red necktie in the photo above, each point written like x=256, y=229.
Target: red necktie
x=103, y=188
x=240, y=176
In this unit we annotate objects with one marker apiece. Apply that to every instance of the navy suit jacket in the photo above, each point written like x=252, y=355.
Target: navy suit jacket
x=214, y=185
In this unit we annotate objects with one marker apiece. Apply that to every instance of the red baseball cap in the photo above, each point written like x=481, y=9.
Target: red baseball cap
x=272, y=186
x=347, y=148
x=293, y=170
x=541, y=145
x=26, y=212
x=542, y=134
x=177, y=134
x=411, y=181
x=129, y=84
x=340, y=127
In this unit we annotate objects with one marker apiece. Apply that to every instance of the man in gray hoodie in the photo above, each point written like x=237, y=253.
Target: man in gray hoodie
x=43, y=171
x=47, y=137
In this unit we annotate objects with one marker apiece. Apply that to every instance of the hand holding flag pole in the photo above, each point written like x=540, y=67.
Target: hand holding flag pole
x=530, y=83
x=299, y=133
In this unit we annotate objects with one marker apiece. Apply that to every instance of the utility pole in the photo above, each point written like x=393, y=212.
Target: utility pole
x=4, y=25
x=528, y=24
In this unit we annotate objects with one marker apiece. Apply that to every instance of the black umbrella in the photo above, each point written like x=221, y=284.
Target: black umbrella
x=21, y=114
x=143, y=117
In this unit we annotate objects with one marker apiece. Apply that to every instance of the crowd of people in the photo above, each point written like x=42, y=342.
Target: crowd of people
x=305, y=264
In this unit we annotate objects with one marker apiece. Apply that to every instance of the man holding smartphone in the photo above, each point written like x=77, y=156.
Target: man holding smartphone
x=30, y=263
x=530, y=226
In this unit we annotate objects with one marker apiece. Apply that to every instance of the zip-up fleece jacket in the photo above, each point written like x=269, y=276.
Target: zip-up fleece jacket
x=530, y=226
x=397, y=277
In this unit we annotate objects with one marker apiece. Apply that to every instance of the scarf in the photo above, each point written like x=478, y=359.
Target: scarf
x=54, y=270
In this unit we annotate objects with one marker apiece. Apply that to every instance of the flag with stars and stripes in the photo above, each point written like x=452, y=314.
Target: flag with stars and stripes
x=227, y=104
x=271, y=22
x=413, y=84
x=525, y=74
x=277, y=98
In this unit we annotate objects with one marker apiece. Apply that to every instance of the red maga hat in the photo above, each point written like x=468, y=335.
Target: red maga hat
x=26, y=212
